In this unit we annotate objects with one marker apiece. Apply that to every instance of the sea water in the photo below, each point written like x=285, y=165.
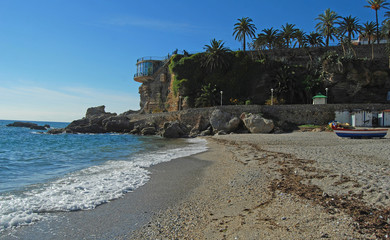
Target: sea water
x=41, y=174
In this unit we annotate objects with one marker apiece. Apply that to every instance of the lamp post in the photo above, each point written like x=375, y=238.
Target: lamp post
x=272, y=96
x=326, y=100
x=221, y=97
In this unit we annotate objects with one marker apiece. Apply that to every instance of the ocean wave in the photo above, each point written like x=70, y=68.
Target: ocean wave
x=86, y=189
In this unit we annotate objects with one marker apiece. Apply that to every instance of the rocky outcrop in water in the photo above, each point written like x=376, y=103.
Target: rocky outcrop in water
x=28, y=125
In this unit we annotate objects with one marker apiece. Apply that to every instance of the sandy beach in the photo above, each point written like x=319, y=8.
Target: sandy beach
x=301, y=185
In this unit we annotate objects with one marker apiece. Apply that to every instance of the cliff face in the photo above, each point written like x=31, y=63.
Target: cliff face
x=356, y=81
x=347, y=80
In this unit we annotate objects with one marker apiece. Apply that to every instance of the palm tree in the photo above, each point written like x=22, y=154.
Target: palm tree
x=288, y=33
x=377, y=5
x=368, y=30
x=314, y=39
x=268, y=37
x=386, y=32
x=301, y=38
x=326, y=25
x=215, y=56
x=243, y=28
x=385, y=29
x=349, y=25
x=259, y=42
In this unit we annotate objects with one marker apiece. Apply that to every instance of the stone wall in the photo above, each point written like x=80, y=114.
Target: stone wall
x=281, y=114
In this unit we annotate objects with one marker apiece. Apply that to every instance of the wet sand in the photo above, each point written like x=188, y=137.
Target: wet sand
x=169, y=184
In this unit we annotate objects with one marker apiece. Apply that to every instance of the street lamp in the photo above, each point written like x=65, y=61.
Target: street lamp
x=326, y=100
x=272, y=96
x=221, y=97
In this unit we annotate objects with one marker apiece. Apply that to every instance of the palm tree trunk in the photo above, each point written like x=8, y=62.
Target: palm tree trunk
x=372, y=51
x=377, y=26
x=244, y=43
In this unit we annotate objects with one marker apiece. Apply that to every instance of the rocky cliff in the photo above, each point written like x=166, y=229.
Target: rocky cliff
x=353, y=78
x=356, y=81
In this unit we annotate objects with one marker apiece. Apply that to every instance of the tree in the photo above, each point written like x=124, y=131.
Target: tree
x=326, y=24
x=314, y=39
x=386, y=32
x=301, y=38
x=243, y=28
x=268, y=37
x=207, y=97
x=349, y=25
x=216, y=55
x=377, y=5
x=288, y=33
x=368, y=30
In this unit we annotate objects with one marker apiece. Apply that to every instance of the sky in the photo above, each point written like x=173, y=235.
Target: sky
x=60, y=57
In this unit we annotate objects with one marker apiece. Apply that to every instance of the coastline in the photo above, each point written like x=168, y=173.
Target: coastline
x=301, y=185
x=284, y=186
x=170, y=182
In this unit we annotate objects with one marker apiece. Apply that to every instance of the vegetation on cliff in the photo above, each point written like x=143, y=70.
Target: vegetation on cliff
x=239, y=77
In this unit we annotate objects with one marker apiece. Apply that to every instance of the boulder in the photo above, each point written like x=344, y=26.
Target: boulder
x=56, y=131
x=255, y=123
x=92, y=122
x=206, y=132
x=174, y=130
x=200, y=125
x=224, y=121
x=96, y=111
x=117, y=124
x=148, y=131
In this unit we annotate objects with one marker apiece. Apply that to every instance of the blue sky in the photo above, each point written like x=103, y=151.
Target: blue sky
x=59, y=57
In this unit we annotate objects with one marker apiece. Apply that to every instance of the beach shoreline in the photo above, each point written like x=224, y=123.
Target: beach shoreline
x=169, y=183
x=300, y=185
x=284, y=186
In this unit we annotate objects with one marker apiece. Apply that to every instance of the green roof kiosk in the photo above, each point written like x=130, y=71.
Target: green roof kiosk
x=319, y=99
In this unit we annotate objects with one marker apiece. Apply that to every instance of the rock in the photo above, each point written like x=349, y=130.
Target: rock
x=148, y=131
x=37, y=127
x=28, y=125
x=201, y=124
x=206, y=132
x=221, y=132
x=224, y=121
x=117, y=124
x=92, y=122
x=95, y=111
x=56, y=131
x=255, y=123
x=174, y=130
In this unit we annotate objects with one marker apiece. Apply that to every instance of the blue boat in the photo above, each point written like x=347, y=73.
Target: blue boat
x=348, y=132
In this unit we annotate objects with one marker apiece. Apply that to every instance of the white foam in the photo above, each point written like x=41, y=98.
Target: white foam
x=87, y=188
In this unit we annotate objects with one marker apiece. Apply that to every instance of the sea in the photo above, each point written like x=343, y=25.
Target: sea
x=43, y=174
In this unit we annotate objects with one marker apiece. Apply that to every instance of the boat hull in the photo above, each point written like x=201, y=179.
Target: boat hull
x=361, y=133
